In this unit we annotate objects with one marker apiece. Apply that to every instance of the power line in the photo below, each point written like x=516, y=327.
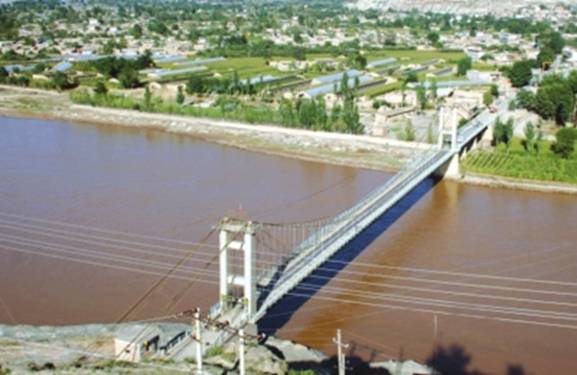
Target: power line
x=39, y=230
x=95, y=229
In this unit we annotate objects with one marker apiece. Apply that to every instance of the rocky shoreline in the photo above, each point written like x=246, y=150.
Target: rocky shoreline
x=89, y=349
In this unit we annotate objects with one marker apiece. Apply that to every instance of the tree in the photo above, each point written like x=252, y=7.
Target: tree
x=526, y=99
x=520, y=73
x=136, y=31
x=100, y=88
x=487, y=98
x=61, y=82
x=555, y=100
x=409, y=132
x=39, y=68
x=509, y=131
x=495, y=91
x=545, y=58
x=3, y=74
x=195, y=85
x=433, y=37
x=434, y=88
x=464, y=65
x=180, y=95
x=147, y=98
x=287, y=114
x=129, y=78
x=145, y=61
x=498, y=132
x=422, y=96
x=565, y=144
x=572, y=81
x=528, y=142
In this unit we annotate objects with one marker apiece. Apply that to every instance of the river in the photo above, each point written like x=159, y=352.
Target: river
x=103, y=181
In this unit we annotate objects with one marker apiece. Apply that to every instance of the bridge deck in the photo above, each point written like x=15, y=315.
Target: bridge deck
x=324, y=243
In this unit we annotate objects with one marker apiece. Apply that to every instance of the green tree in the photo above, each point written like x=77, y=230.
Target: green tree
x=565, y=144
x=136, y=31
x=555, y=100
x=509, y=130
x=195, y=85
x=464, y=65
x=495, y=91
x=498, y=132
x=488, y=98
x=287, y=114
x=100, y=88
x=545, y=58
x=520, y=73
x=61, y=81
x=434, y=90
x=147, y=98
x=572, y=81
x=433, y=37
x=180, y=95
x=422, y=96
x=409, y=134
x=3, y=74
x=128, y=78
x=529, y=141
x=526, y=99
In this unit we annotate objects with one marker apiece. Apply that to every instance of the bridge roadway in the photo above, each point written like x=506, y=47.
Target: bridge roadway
x=325, y=242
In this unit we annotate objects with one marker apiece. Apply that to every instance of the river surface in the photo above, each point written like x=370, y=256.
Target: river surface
x=83, y=207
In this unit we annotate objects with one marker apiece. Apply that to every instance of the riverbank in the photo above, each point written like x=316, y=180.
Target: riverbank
x=333, y=148
x=517, y=184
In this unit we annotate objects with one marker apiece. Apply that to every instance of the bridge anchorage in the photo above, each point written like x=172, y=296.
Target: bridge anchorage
x=260, y=263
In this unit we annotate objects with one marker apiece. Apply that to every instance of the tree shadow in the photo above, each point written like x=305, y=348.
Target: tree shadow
x=354, y=365
x=283, y=310
x=455, y=360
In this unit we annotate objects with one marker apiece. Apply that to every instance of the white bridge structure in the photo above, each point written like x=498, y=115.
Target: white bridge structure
x=260, y=263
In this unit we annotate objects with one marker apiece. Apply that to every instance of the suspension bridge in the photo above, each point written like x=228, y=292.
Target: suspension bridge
x=260, y=263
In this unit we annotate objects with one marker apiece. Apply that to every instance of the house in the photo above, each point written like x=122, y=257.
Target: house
x=400, y=99
x=384, y=116
x=136, y=342
x=475, y=53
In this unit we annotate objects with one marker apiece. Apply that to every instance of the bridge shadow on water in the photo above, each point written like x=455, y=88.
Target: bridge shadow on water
x=281, y=312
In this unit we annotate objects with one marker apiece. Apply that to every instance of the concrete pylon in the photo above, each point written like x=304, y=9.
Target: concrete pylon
x=236, y=235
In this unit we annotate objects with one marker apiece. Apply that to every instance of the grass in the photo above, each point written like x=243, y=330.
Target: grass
x=247, y=67
x=415, y=56
x=515, y=162
x=250, y=114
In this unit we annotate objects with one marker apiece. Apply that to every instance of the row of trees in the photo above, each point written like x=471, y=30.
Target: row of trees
x=312, y=113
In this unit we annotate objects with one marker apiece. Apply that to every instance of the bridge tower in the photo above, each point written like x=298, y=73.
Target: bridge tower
x=448, y=130
x=237, y=236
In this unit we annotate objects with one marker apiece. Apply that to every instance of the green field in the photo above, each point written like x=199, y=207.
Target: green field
x=415, y=57
x=518, y=163
x=247, y=67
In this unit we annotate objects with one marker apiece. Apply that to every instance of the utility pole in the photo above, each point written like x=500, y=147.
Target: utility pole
x=436, y=328
x=241, y=352
x=198, y=339
x=341, y=356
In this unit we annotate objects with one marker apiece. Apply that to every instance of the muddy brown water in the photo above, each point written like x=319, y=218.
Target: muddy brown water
x=176, y=187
